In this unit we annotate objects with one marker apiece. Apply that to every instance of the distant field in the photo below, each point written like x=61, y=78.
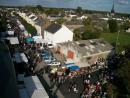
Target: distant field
x=124, y=39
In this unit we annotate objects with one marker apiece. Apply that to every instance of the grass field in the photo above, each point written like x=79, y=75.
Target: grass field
x=124, y=39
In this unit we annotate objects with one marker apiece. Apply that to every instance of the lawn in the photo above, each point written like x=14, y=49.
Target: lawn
x=124, y=39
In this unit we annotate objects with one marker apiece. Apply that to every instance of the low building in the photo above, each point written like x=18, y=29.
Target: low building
x=31, y=87
x=72, y=25
x=128, y=30
x=85, y=52
x=40, y=25
x=8, y=84
x=56, y=33
x=34, y=87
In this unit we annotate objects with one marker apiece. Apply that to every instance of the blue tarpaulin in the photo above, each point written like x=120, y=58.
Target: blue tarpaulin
x=72, y=67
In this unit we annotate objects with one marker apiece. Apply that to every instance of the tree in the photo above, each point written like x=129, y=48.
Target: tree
x=79, y=10
x=88, y=24
x=90, y=35
x=87, y=21
x=32, y=30
x=113, y=26
x=126, y=25
x=39, y=7
x=52, y=11
x=61, y=20
x=124, y=72
x=77, y=34
x=3, y=23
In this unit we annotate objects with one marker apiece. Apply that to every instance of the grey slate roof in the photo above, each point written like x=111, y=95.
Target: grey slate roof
x=53, y=28
x=89, y=47
x=39, y=22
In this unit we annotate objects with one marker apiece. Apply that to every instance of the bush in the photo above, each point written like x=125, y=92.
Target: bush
x=90, y=35
x=113, y=26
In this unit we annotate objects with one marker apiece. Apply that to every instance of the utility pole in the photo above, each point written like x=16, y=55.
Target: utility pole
x=117, y=38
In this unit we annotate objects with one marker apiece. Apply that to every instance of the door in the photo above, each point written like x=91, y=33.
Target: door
x=70, y=54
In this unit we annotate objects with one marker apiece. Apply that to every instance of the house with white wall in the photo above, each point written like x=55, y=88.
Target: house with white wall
x=56, y=33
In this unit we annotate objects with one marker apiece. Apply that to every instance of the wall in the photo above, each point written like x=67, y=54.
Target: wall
x=64, y=50
x=48, y=37
x=93, y=58
x=63, y=35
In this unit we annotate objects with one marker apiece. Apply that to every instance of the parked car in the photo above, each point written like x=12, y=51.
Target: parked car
x=55, y=63
x=50, y=46
x=49, y=59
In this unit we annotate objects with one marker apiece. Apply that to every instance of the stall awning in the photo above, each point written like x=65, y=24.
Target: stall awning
x=29, y=40
x=74, y=68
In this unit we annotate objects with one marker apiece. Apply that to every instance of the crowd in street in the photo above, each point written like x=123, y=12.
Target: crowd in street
x=59, y=75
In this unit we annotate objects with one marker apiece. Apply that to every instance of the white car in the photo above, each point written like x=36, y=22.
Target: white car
x=48, y=60
x=50, y=46
x=55, y=63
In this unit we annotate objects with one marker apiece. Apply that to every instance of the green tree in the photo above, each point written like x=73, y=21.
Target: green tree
x=61, y=20
x=113, y=27
x=88, y=25
x=126, y=25
x=77, y=34
x=3, y=23
x=54, y=11
x=39, y=7
x=32, y=30
x=90, y=35
x=124, y=73
x=79, y=10
x=87, y=21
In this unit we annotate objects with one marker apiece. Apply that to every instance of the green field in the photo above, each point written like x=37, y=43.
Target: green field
x=124, y=39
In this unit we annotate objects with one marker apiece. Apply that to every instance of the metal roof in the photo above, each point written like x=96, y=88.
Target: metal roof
x=35, y=88
x=89, y=47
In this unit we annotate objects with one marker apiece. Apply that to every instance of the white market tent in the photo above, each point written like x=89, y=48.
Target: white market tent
x=21, y=27
x=34, y=87
x=9, y=26
x=38, y=39
x=20, y=57
x=13, y=40
x=10, y=32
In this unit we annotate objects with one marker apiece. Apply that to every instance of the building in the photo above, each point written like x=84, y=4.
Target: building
x=39, y=22
x=128, y=30
x=8, y=84
x=113, y=10
x=72, y=25
x=40, y=25
x=85, y=52
x=56, y=33
x=32, y=87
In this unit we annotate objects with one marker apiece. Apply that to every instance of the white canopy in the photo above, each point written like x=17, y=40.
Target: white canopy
x=13, y=40
x=10, y=32
x=38, y=39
